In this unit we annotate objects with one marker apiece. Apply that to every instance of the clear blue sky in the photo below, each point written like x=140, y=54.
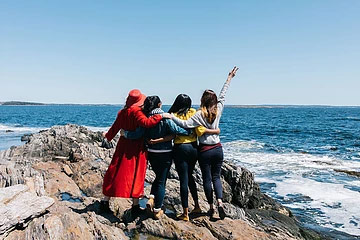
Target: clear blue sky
x=289, y=52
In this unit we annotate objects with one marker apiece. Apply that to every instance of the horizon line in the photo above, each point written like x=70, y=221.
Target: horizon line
x=30, y=103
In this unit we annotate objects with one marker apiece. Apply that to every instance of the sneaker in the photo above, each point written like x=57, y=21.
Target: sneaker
x=183, y=217
x=196, y=210
x=136, y=210
x=221, y=211
x=150, y=205
x=104, y=206
x=157, y=215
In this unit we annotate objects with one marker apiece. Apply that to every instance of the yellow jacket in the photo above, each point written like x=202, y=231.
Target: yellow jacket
x=199, y=131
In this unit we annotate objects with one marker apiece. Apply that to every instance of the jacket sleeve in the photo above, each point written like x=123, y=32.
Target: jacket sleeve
x=175, y=129
x=114, y=129
x=189, y=123
x=138, y=133
x=146, y=122
x=221, y=100
x=200, y=130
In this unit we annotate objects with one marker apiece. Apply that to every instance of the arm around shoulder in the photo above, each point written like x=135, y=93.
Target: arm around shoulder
x=192, y=122
x=146, y=122
x=175, y=129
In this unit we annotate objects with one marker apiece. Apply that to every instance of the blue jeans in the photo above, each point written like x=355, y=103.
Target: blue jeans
x=160, y=163
x=210, y=164
x=185, y=157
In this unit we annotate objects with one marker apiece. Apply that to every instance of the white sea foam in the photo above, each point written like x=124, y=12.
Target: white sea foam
x=17, y=128
x=97, y=129
x=309, y=175
x=297, y=162
x=242, y=145
x=339, y=205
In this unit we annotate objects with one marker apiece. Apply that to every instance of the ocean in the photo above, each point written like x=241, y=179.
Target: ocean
x=296, y=152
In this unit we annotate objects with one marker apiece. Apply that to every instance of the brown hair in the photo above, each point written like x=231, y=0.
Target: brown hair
x=208, y=105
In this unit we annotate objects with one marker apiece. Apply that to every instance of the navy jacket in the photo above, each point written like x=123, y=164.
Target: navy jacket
x=164, y=128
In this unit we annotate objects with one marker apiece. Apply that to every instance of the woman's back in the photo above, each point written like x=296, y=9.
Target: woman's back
x=192, y=137
x=164, y=128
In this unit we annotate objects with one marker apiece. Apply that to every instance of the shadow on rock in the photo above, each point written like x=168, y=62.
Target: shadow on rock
x=95, y=207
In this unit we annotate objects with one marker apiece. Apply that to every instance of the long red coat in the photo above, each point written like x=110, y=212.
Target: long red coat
x=126, y=174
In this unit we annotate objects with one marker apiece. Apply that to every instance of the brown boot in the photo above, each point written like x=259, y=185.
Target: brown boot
x=158, y=215
x=150, y=205
x=183, y=217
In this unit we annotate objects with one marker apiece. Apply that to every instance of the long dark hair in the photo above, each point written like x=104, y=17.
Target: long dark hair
x=150, y=103
x=181, y=105
x=208, y=105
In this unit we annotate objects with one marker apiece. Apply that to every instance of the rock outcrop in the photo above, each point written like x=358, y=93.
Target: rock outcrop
x=18, y=206
x=54, y=182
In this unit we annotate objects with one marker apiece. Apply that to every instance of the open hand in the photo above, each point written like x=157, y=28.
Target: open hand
x=233, y=72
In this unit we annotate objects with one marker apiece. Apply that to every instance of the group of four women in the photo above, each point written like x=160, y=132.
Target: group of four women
x=183, y=135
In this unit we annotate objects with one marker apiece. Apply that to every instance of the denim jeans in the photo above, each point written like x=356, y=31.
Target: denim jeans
x=185, y=157
x=210, y=164
x=160, y=163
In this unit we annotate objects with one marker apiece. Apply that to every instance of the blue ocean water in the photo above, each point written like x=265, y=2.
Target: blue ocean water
x=293, y=151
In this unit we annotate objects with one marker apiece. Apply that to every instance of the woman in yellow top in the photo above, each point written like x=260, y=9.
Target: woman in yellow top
x=185, y=154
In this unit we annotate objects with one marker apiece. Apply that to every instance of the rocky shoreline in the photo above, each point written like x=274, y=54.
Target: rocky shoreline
x=50, y=188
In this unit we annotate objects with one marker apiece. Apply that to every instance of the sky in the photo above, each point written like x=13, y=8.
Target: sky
x=288, y=52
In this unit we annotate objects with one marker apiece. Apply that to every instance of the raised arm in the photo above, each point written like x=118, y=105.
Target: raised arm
x=114, y=129
x=224, y=89
x=146, y=122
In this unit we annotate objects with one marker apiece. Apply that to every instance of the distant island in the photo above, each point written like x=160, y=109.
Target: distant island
x=17, y=103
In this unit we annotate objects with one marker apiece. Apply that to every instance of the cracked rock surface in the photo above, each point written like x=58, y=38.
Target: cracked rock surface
x=50, y=188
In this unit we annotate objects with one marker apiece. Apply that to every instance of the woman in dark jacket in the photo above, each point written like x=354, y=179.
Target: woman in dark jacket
x=159, y=154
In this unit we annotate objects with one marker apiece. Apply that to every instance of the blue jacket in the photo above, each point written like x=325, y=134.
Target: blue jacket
x=164, y=128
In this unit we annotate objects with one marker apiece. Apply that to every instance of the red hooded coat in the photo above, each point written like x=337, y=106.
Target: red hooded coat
x=126, y=174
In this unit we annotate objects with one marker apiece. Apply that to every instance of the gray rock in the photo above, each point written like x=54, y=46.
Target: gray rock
x=26, y=137
x=68, y=161
x=67, y=170
x=18, y=206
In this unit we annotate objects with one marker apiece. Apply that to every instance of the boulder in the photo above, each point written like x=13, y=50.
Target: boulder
x=18, y=206
x=26, y=137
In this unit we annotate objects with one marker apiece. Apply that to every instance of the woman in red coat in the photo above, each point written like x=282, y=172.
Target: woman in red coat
x=126, y=173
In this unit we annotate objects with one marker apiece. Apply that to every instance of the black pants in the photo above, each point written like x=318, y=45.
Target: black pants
x=160, y=163
x=210, y=164
x=185, y=157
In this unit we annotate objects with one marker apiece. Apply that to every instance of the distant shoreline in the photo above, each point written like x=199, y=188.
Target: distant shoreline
x=20, y=103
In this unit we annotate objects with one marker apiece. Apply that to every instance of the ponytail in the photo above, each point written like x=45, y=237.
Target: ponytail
x=208, y=106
